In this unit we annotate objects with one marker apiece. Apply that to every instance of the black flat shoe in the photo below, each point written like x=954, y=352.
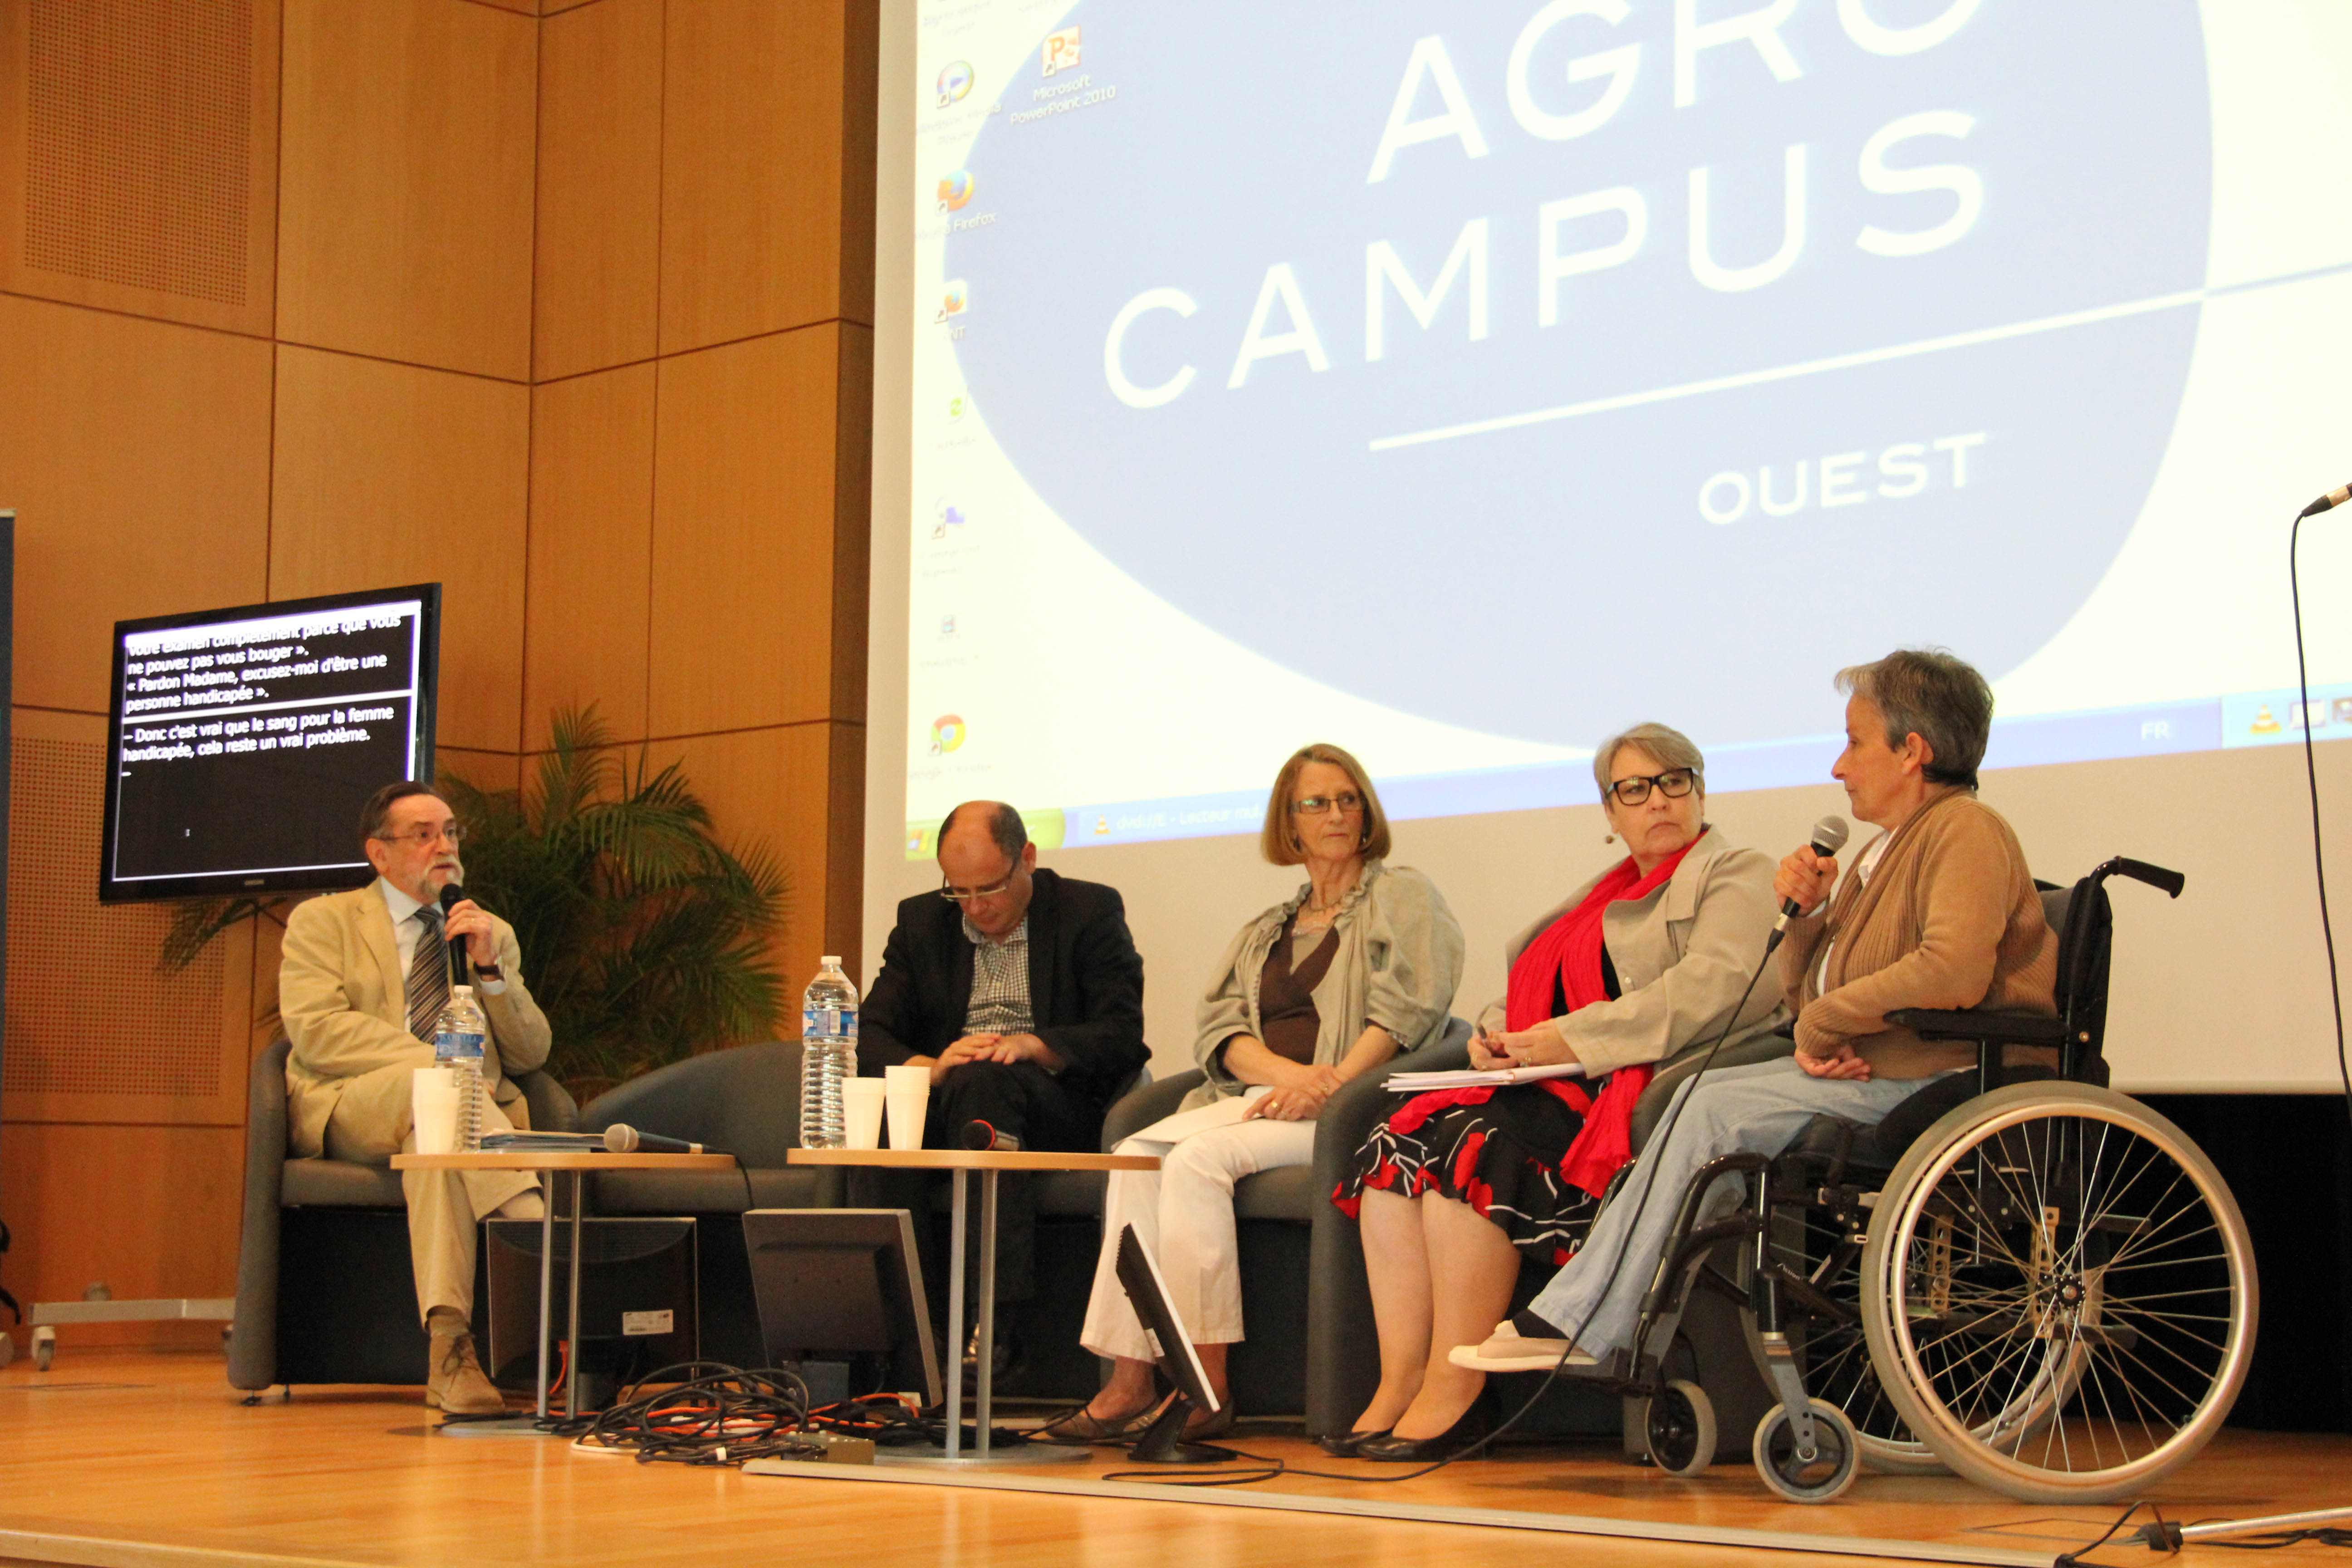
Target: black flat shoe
x=1343, y=1445
x=1392, y=1450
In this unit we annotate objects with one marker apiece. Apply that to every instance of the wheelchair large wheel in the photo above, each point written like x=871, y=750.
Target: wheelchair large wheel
x=2059, y=1293
x=1812, y=1244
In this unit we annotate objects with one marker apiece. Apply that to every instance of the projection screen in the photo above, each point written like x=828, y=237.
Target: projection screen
x=1460, y=383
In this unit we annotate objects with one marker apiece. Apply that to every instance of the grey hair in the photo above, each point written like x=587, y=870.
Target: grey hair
x=1670, y=746
x=1005, y=826
x=1933, y=694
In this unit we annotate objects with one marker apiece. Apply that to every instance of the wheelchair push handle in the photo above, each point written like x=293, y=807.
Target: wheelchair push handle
x=2168, y=882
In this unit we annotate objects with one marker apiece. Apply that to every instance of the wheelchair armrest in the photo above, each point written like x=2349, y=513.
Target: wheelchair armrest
x=1982, y=1025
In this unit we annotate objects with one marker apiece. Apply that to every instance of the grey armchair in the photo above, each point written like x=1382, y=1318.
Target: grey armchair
x=324, y=1291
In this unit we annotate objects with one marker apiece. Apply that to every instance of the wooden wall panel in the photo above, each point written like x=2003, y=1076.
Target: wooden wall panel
x=120, y=1041
x=405, y=191
x=143, y=178
x=150, y=1211
x=592, y=513
x=137, y=456
x=752, y=172
x=774, y=786
x=744, y=514
x=600, y=108
x=389, y=474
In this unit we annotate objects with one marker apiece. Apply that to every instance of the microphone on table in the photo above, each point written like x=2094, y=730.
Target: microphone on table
x=622, y=1139
x=1828, y=837
x=2328, y=502
x=452, y=895
x=979, y=1135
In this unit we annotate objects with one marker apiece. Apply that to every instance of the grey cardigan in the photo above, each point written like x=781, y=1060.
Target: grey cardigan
x=1398, y=964
x=1682, y=954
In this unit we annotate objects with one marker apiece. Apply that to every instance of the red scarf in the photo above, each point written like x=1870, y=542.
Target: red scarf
x=1566, y=958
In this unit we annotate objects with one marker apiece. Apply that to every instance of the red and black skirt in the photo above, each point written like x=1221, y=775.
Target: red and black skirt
x=1502, y=1158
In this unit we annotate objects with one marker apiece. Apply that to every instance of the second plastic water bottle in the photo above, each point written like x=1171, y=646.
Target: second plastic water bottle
x=828, y=1057
x=459, y=1035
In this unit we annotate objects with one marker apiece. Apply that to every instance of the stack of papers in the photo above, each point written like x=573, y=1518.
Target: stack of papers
x=515, y=1138
x=1471, y=1078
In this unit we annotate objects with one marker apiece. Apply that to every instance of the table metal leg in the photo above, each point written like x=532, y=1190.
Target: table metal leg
x=571, y=1331
x=546, y=1287
x=954, y=1358
x=984, y=1407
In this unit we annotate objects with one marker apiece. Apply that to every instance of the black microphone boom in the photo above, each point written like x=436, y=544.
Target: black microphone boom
x=2328, y=502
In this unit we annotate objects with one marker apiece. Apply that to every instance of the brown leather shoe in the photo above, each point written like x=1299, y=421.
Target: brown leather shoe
x=455, y=1382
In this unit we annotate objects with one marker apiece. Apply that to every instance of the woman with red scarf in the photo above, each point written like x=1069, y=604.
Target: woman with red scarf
x=1468, y=1185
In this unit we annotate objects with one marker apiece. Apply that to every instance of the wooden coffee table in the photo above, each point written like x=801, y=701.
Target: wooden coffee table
x=552, y=1162
x=991, y=1165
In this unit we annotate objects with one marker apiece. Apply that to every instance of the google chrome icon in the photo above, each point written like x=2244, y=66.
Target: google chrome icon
x=946, y=734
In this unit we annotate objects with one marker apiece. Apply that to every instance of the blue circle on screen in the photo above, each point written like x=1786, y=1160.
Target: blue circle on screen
x=1710, y=480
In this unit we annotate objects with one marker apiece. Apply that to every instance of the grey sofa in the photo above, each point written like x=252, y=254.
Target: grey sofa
x=744, y=1101
x=324, y=1291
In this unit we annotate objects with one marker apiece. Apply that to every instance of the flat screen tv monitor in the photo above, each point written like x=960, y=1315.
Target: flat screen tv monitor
x=639, y=1300
x=243, y=742
x=833, y=1282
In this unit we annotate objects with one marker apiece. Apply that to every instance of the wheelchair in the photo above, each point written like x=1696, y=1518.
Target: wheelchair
x=2022, y=1277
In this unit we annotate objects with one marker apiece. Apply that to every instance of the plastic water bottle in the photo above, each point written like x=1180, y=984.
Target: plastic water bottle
x=828, y=1057
x=459, y=1035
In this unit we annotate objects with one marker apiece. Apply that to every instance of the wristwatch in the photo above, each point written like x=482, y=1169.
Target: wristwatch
x=488, y=972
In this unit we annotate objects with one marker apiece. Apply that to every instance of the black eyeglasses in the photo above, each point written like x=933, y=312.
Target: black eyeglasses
x=1674, y=783
x=423, y=837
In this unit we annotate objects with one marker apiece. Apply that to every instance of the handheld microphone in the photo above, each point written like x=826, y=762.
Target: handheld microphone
x=977, y=1134
x=1828, y=837
x=2328, y=502
x=452, y=896
x=622, y=1139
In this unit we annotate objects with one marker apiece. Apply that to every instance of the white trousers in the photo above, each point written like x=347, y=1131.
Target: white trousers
x=1184, y=1213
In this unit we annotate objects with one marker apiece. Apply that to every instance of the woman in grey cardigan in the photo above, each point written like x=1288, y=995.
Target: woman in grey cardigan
x=1361, y=963
x=1467, y=1186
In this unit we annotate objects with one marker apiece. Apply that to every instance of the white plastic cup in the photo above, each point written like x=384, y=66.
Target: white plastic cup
x=432, y=1107
x=867, y=1097
x=907, y=1091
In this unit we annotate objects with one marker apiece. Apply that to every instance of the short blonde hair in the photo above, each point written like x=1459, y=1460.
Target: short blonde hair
x=1670, y=746
x=1276, y=842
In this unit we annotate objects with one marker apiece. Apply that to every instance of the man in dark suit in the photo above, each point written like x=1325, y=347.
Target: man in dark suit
x=1022, y=990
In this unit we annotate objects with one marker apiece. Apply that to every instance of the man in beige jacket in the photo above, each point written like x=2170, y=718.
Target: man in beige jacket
x=364, y=975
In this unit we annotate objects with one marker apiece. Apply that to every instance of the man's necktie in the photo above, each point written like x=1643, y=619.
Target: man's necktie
x=428, y=977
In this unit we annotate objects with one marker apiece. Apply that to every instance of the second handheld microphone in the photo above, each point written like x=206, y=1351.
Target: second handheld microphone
x=1828, y=837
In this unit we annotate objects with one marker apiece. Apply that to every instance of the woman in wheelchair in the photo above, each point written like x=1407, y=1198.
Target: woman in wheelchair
x=1940, y=911
x=1467, y=1186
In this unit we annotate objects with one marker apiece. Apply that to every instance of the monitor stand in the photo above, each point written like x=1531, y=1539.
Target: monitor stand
x=1162, y=1442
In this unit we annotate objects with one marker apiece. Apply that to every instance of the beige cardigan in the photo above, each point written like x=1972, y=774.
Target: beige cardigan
x=1950, y=918
x=1682, y=952
x=1398, y=963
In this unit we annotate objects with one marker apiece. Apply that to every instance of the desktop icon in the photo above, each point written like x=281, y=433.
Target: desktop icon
x=948, y=516
x=946, y=734
x=947, y=625
x=2302, y=716
x=955, y=80
x=1061, y=52
x=953, y=300
x=955, y=191
x=2344, y=710
x=957, y=406
x=1102, y=826
x=2263, y=723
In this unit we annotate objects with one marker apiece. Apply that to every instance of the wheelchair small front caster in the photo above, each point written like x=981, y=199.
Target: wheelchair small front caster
x=1681, y=1429
x=1823, y=1477
x=45, y=1347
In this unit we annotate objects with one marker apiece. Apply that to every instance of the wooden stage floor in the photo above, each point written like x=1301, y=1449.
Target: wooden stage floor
x=141, y=1460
